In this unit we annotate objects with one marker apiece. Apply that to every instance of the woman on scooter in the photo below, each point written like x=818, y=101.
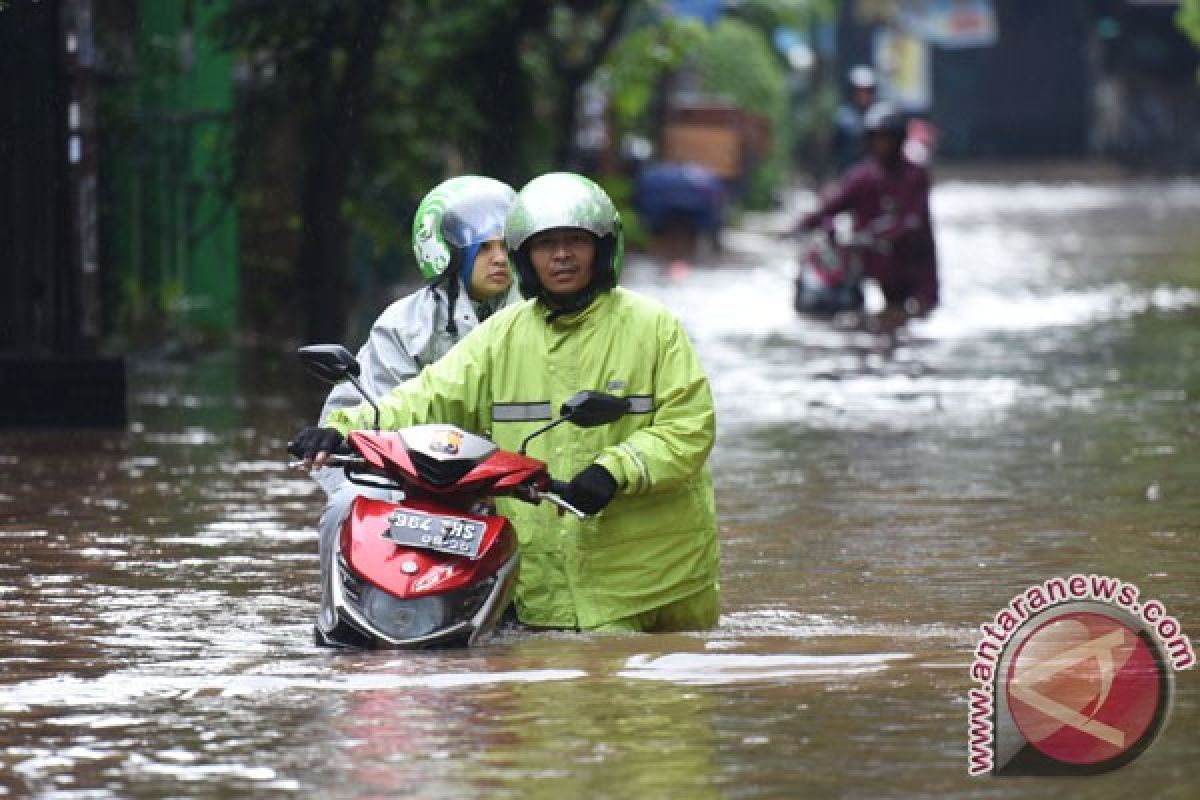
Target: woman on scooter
x=647, y=557
x=458, y=239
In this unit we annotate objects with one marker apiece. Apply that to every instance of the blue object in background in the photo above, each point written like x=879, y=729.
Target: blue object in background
x=674, y=191
x=824, y=38
x=785, y=39
x=707, y=11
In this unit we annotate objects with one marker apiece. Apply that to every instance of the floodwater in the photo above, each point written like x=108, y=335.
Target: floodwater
x=880, y=495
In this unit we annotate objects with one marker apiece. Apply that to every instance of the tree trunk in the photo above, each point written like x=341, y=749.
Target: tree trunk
x=568, y=101
x=499, y=149
x=505, y=103
x=574, y=76
x=332, y=133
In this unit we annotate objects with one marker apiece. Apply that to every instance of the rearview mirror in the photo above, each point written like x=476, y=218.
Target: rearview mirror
x=331, y=363
x=592, y=409
x=587, y=410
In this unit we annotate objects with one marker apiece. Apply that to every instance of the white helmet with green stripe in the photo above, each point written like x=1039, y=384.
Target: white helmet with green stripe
x=454, y=219
x=565, y=200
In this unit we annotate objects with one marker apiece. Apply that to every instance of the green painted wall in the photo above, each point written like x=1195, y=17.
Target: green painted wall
x=175, y=224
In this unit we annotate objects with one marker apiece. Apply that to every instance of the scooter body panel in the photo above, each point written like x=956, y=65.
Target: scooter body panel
x=413, y=571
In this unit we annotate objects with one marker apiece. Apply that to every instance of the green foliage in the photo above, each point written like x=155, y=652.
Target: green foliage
x=639, y=61
x=799, y=14
x=733, y=59
x=485, y=86
x=620, y=190
x=1188, y=20
x=423, y=119
x=146, y=311
x=737, y=61
x=455, y=85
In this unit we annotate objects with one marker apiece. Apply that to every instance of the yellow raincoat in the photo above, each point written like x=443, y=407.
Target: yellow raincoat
x=656, y=543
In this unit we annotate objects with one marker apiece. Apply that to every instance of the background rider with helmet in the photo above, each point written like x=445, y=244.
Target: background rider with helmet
x=458, y=240
x=888, y=197
x=648, y=558
x=848, y=145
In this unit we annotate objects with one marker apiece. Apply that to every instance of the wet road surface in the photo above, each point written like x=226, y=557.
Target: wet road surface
x=880, y=496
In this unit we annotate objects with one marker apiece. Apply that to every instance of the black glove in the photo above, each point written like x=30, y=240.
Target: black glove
x=591, y=490
x=310, y=441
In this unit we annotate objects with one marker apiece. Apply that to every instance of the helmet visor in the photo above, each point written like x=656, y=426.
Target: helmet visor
x=475, y=218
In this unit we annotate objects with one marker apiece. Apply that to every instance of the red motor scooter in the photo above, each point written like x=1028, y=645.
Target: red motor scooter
x=439, y=567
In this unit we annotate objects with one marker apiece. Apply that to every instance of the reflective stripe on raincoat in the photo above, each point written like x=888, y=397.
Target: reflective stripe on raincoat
x=408, y=336
x=657, y=541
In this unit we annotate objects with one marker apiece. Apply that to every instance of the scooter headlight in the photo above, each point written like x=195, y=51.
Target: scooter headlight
x=403, y=619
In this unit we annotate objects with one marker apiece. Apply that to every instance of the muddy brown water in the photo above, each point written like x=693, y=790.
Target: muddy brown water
x=880, y=498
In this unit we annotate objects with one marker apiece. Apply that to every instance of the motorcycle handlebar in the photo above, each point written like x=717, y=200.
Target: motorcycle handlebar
x=335, y=460
x=555, y=500
x=553, y=494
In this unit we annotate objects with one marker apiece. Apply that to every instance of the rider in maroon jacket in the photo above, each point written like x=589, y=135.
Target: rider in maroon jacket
x=888, y=196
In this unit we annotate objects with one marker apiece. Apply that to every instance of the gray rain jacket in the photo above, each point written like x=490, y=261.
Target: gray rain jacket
x=408, y=336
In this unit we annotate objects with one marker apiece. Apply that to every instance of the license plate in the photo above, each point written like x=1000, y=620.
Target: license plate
x=462, y=537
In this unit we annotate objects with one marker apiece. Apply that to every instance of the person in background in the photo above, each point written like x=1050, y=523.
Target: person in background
x=646, y=559
x=888, y=197
x=458, y=240
x=848, y=146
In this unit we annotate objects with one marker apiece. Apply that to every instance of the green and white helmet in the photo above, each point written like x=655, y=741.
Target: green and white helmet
x=454, y=219
x=565, y=200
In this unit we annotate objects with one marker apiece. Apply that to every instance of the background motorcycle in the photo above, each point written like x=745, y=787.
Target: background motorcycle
x=832, y=278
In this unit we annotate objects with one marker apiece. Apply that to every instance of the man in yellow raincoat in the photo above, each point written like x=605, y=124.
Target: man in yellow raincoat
x=647, y=558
